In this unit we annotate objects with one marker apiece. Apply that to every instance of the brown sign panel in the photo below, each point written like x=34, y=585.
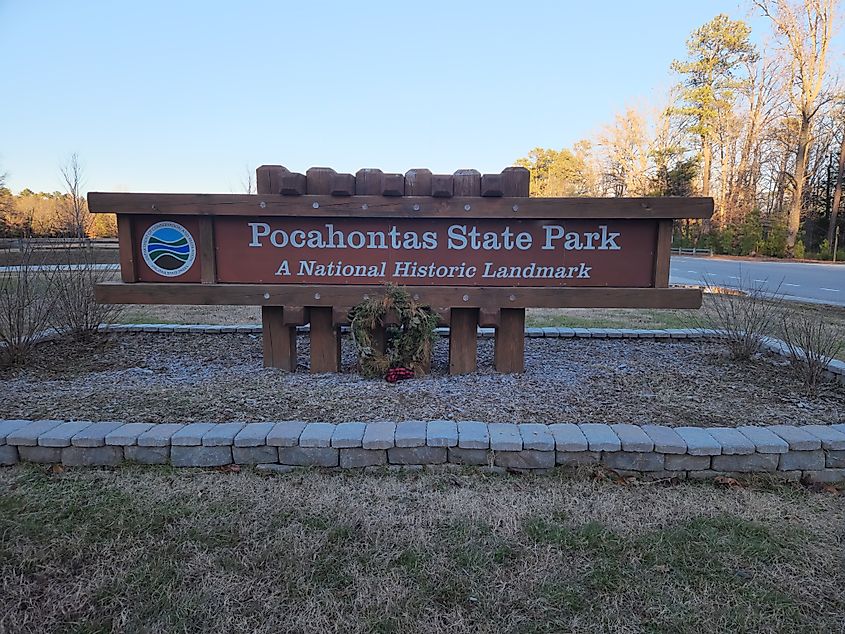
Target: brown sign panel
x=428, y=251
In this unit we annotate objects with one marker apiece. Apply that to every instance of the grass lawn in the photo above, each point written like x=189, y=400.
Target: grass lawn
x=537, y=317
x=155, y=550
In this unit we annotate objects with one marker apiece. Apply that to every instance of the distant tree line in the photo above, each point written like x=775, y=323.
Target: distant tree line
x=59, y=214
x=761, y=130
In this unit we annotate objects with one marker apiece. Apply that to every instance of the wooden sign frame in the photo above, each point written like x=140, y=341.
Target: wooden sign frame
x=322, y=193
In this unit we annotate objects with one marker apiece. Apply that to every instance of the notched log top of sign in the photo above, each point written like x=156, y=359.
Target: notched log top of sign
x=397, y=207
x=371, y=193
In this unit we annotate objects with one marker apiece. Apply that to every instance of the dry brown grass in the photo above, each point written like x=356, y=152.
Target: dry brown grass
x=564, y=317
x=142, y=550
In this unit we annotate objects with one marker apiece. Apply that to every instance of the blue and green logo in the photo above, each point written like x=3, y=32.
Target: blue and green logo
x=168, y=248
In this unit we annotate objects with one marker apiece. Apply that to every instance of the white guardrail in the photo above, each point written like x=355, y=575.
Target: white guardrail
x=692, y=251
x=48, y=244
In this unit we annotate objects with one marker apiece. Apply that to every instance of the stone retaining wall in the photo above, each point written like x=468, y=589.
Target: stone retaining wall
x=814, y=453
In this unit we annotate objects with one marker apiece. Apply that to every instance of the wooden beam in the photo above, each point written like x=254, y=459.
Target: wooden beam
x=442, y=185
x=663, y=254
x=491, y=185
x=439, y=298
x=509, y=345
x=278, y=339
x=393, y=185
x=126, y=246
x=343, y=185
x=509, y=350
x=418, y=182
x=463, y=340
x=293, y=184
x=467, y=183
x=369, y=182
x=268, y=179
x=516, y=181
x=208, y=254
x=325, y=341
x=397, y=207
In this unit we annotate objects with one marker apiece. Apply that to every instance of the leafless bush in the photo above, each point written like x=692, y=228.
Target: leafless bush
x=78, y=314
x=27, y=299
x=813, y=344
x=744, y=316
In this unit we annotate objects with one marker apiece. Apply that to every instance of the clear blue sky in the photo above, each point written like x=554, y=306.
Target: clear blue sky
x=184, y=96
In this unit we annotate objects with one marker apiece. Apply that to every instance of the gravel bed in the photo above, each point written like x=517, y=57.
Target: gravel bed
x=182, y=378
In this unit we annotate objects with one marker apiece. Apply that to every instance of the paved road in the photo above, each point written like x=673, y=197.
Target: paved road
x=815, y=283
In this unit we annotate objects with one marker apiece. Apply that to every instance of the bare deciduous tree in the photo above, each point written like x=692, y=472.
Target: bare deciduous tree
x=805, y=29
x=837, y=192
x=76, y=220
x=248, y=183
x=626, y=149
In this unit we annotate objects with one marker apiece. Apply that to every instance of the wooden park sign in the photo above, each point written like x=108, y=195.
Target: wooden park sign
x=475, y=248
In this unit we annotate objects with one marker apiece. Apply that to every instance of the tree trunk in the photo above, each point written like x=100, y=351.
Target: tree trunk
x=706, y=155
x=781, y=189
x=794, y=222
x=707, y=158
x=837, y=193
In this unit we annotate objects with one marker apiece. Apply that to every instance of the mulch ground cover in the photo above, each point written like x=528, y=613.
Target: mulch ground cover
x=157, y=377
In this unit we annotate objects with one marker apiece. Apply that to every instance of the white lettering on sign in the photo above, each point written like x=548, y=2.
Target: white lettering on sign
x=412, y=269
x=448, y=251
x=458, y=237
x=602, y=240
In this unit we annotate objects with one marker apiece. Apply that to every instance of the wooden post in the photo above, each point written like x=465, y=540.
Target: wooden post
x=126, y=244
x=463, y=345
x=509, y=349
x=466, y=183
x=325, y=336
x=279, y=339
x=663, y=254
x=268, y=179
x=442, y=185
x=509, y=346
x=208, y=255
x=325, y=340
x=418, y=182
x=319, y=180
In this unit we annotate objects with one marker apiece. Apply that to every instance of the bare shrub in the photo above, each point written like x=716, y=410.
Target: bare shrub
x=744, y=316
x=813, y=343
x=27, y=299
x=78, y=314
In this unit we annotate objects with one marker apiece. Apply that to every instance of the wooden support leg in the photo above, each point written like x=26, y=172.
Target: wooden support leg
x=279, y=339
x=463, y=323
x=325, y=341
x=509, y=350
x=380, y=339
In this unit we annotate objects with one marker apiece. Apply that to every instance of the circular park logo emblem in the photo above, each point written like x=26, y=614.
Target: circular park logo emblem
x=168, y=248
